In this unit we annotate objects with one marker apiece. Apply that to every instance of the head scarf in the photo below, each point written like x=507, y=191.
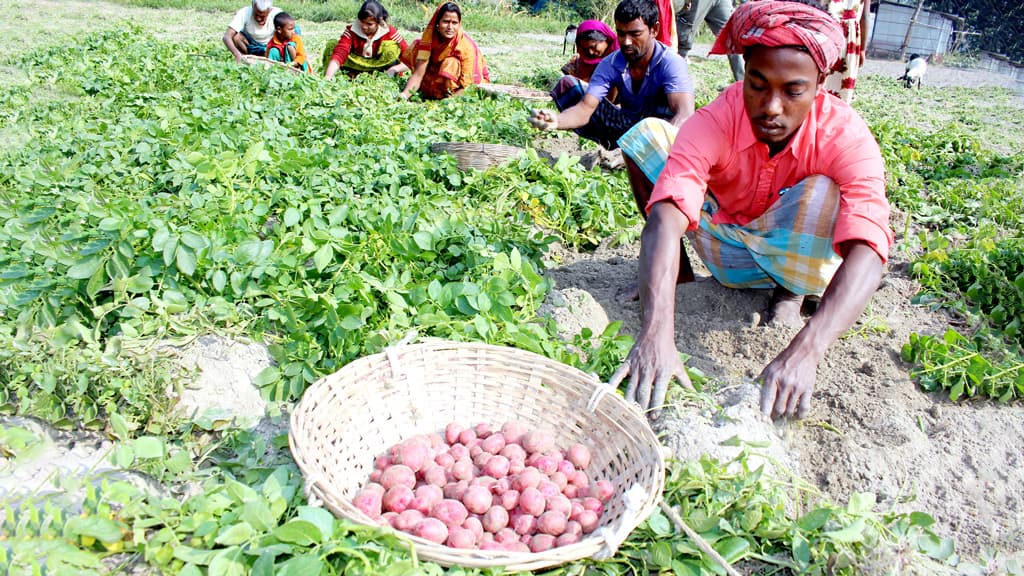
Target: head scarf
x=461, y=43
x=590, y=26
x=774, y=23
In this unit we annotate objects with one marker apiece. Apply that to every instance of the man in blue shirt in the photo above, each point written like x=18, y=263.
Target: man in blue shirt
x=649, y=79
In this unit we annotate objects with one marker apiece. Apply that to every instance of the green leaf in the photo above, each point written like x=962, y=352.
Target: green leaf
x=86, y=267
x=861, y=503
x=323, y=257
x=319, y=517
x=659, y=524
x=303, y=565
x=852, y=533
x=300, y=532
x=119, y=426
x=732, y=549
x=194, y=555
x=228, y=563
x=814, y=519
x=935, y=547
x=179, y=462
x=185, y=260
x=266, y=377
x=235, y=534
x=424, y=240
x=291, y=217
x=102, y=529
x=661, y=554
x=149, y=447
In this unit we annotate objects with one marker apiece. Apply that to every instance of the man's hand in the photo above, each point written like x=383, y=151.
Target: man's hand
x=651, y=364
x=787, y=383
x=544, y=120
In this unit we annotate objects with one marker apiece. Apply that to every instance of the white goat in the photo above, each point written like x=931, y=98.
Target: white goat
x=916, y=67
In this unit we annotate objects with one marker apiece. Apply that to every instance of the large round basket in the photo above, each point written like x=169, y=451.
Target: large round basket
x=477, y=155
x=520, y=92
x=346, y=419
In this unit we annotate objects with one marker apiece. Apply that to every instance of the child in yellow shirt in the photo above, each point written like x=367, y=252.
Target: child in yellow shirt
x=286, y=45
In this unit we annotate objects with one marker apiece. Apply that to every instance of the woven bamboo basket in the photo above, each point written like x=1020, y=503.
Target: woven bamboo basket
x=477, y=155
x=520, y=92
x=346, y=419
x=251, y=60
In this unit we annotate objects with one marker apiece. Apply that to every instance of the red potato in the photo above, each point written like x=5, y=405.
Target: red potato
x=375, y=475
x=477, y=499
x=588, y=521
x=510, y=500
x=466, y=436
x=513, y=451
x=451, y=512
x=398, y=475
x=458, y=452
x=567, y=468
x=463, y=469
x=425, y=496
x=475, y=449
x=506, y=535
x=579, y=455
x=559, y=479
x=495, y=519
x=592, y=504
x=580, y=480
x=524, y=523
x=455, y=490
x=546, y=464
x=565, y=539
x=474, y=525
x=537, y=441
x=531, y=501
x=414, y=452
x=541, y=543
x=435, y=475
x=548, y=488
x=398, y=499
x=491, y=545
x=436, y=441
x=500, y=486
x=368, y=501
x=602, y=490
x=559, y=503
x=573, y=527
x=382, y=462
x=460, y=538
x=496, y=466
x=518, y=547
x=481, y=458
x=494, y=443
x=575, y=509
x=452, y=432
x=388, y=519
x=552, y=523
x=516, y=466
x=530, y=477
x=483, y=430
x=485, y=481
x=407, y=520
x=432, y=529
x=513, y=431
x=444, y=459
x=571, y=491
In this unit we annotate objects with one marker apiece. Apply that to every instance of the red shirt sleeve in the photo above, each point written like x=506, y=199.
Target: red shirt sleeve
x=395, y=35
x=701, y=144
x=343, y=47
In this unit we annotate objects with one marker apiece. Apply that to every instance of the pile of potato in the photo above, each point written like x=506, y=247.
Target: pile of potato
x=476, y=487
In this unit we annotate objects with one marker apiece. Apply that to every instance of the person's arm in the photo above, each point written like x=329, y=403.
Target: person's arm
x=681, y=104
x=654, y=360
x=865, y=33
x=339, y=55
x=572, y=117
x=229, y=41
x=414, y=80
x=297, y=56
x=787, y=382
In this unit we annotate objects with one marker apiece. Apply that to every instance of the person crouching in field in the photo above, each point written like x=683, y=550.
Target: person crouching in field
x=251, y=29
x=286, y=45
x=444, y=61
x=777, y=184
x=594, y=41
x=368, y=45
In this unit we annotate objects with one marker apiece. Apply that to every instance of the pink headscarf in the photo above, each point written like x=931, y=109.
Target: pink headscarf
x=591, y=25
x=775, y=23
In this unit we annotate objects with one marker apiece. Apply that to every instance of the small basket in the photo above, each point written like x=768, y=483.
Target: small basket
x=346, y=419
x=477, y=155
x=520, y=92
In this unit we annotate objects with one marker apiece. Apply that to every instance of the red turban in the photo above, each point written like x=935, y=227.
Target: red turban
x=775, y=23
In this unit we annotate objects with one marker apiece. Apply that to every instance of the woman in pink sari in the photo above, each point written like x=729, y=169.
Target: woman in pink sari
x=444, y=61
x=594, y=41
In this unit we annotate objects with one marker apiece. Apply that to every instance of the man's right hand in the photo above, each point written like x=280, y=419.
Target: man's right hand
x=544, y=120
x=650, y=365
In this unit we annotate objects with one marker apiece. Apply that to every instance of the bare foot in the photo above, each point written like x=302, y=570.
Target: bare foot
x=628, y=293
x=784, y=309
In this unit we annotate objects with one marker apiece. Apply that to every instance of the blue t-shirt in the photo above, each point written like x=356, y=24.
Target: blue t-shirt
x=667, y=73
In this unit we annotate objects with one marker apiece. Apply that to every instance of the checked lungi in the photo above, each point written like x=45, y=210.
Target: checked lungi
x=789, y=245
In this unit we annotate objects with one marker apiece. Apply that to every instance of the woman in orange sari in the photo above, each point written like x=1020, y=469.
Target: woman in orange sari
x=445, y=60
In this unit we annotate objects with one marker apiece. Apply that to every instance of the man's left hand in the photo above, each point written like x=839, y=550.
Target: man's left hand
x=787, y=383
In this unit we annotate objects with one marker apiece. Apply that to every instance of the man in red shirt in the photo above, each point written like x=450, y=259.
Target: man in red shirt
x=777, y=184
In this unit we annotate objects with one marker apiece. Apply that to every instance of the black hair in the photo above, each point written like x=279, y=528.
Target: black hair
x=282, y=18
x=449, y=7
x=629, y=10
x=593, y=35
x=372, y=9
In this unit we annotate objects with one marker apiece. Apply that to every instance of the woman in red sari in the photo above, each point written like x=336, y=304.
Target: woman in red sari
x=444, y=61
